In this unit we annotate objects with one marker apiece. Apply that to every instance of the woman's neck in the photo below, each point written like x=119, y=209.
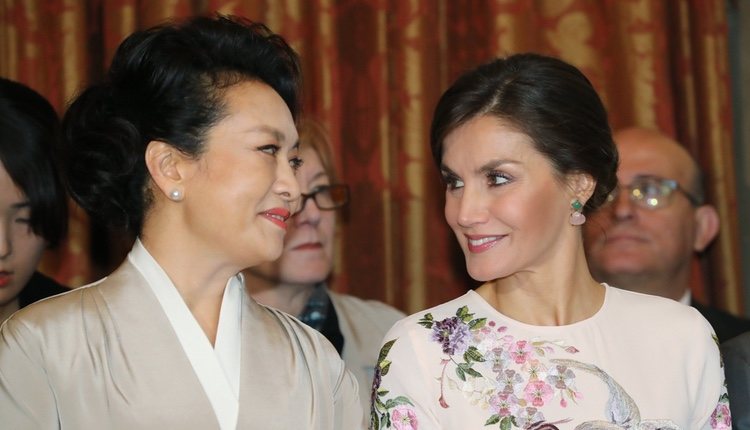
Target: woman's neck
x=286, y=297
x=199, y=279
x=557, y=294
x=534, y=306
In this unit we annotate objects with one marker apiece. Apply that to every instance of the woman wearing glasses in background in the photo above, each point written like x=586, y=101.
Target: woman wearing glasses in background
x=525, y=151
x=296, y=282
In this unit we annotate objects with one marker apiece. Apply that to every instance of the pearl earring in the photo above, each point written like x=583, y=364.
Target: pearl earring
x=577, y=217
x=175, y=195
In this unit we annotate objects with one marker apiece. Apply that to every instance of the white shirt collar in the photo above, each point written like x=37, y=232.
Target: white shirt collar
x=217, y=368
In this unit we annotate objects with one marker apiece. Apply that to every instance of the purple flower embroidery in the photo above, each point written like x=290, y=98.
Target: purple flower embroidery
x=404, y=418
x=528, y=416
x=561, y=378
x=453, y=334
x=511, y=380
x=377, y=378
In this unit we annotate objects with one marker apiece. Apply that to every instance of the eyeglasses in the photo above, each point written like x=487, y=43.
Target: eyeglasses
x=327, y=197
x=652, y=192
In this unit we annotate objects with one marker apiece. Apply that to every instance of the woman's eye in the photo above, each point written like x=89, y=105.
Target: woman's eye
x=320, y=189
x=296, y=163
x=495, y=179
x=269, y=149
x=454, y=183
x=26, y=221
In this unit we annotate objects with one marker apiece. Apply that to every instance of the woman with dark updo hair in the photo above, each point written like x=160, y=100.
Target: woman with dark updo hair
x=525, y=152
x=191, y=144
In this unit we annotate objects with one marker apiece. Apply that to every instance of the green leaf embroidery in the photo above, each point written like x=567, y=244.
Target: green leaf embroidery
x=492, y=420
x=400, y=400
x=473, y=373
x=477, y=323
x=473, y=354
x=385, y=350
x=384, y=366
x=463, y=314
x=506, y=423
x=426, y=321
x=461, y=374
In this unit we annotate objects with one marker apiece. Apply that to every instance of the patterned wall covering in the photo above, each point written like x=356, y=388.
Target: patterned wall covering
x=373, y=72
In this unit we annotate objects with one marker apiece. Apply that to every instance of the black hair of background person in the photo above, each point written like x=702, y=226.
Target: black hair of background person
x=29, y=141
x=172, y=94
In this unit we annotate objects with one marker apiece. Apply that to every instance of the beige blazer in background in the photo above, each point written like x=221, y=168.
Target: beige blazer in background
x=363, y=324
x=106, y=357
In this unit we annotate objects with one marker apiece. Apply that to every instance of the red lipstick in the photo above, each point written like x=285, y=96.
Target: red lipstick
x=5, y=278
x=277, y=216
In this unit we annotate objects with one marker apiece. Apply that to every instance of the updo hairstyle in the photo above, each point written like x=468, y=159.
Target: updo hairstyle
x=545, y=98
x=165, y=83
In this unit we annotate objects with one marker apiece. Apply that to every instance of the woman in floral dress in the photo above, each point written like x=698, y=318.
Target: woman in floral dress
x=525, y=151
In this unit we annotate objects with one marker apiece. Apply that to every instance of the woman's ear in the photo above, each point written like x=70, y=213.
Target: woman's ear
x=582, y=185
x=163, y=162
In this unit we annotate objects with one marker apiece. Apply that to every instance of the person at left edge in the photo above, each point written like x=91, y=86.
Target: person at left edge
x=33, y=203
x=191, y=143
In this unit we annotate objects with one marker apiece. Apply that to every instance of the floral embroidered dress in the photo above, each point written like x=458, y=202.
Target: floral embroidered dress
x=641, y=362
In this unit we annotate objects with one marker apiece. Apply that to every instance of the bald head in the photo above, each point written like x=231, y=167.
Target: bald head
x=657, y=154
x=649, y=249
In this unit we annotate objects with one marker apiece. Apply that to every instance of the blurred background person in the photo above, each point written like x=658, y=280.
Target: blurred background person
x=191, y=143
x=33, y=203
x=297, y=283
x=646, y=238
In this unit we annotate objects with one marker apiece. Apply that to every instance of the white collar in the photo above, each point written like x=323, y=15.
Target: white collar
x=217, y=368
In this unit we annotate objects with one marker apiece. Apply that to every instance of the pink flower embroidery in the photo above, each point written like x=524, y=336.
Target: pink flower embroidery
x=721, y=418
x=520, y=351
x=535, y=369
x=404, y=418
x=537, y=392
x=504, y=405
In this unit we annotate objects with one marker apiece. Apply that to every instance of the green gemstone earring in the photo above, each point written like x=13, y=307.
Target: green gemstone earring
x=577, y=217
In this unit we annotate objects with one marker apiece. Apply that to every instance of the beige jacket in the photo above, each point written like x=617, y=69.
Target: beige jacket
x=106, y=357
x=363, y=324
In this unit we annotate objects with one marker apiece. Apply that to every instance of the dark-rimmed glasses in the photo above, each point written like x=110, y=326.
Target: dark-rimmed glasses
x=327, y=197
x=652, y=192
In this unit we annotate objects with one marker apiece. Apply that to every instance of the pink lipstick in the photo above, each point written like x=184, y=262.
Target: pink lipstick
x=477, y=244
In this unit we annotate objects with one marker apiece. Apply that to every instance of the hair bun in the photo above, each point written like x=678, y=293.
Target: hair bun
x=101, y=155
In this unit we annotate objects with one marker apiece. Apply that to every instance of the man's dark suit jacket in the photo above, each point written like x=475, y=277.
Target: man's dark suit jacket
x=736, y=355
x=725, y=324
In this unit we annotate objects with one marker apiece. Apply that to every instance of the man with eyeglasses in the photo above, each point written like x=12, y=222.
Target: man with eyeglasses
x=645, y=239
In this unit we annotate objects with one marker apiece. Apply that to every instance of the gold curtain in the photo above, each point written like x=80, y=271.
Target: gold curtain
x=373, y=71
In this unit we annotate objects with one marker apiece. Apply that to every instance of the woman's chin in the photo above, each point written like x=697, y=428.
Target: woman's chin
x=483, y=274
